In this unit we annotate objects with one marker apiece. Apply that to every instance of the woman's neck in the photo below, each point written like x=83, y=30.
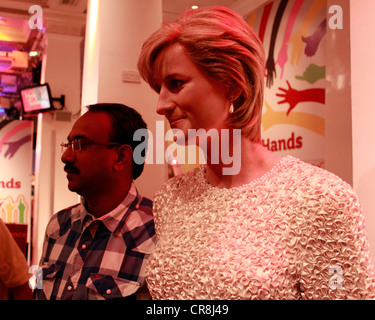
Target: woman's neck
x=253, y=162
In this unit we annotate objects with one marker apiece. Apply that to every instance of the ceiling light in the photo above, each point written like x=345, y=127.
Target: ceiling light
x=195, y=7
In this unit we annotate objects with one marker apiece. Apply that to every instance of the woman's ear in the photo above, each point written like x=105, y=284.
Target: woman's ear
x=124, y=157
x=234, y=93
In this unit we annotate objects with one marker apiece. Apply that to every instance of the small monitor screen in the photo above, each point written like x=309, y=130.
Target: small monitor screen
x=2, y=113
x=36, y=99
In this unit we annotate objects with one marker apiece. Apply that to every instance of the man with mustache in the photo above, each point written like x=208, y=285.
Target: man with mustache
x=98, y=248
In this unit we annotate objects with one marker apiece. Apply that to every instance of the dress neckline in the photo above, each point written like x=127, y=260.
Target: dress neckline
x=272, y=172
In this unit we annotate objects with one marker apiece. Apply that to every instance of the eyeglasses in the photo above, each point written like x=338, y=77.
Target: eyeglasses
x=78, y=144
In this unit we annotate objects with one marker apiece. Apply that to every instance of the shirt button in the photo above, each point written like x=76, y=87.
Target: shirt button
x=83, y=246
x=109, y=291
x=69, y=288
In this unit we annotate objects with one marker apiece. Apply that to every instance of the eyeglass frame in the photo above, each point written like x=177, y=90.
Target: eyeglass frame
x=79, y=142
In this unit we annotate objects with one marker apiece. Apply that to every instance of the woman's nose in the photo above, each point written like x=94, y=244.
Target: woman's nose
x=165, y=102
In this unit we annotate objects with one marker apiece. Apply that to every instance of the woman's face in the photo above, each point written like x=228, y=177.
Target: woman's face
x=189, y=98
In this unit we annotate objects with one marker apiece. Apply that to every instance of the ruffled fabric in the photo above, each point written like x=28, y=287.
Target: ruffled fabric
x=298, y=232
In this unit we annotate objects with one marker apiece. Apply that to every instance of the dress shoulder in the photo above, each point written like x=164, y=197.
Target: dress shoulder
x=329, y=237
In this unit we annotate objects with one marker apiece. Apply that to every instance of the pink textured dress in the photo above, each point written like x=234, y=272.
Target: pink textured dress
x=298, y=232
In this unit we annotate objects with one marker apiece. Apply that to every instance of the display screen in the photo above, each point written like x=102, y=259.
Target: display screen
x=36, y=99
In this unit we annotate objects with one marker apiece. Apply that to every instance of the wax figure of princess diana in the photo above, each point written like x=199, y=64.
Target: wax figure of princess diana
x=279, y=228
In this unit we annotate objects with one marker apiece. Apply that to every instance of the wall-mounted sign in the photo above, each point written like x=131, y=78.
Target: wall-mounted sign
x=15, y=171
x=293, y=35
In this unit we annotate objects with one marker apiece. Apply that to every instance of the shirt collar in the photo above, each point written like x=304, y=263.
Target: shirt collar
x=115, y=219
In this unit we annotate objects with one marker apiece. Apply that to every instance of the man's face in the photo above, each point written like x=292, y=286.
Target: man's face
x=90, y=170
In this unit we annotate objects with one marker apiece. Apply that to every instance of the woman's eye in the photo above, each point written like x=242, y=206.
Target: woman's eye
x=176, y=84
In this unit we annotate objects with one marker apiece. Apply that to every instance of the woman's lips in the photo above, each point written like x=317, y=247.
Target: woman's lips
x=173, y=123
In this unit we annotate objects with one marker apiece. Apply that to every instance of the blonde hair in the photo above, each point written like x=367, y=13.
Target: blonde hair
x=220, y=42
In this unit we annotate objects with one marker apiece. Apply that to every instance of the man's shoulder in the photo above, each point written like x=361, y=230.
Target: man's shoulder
x=60, y=222
x=140, y=227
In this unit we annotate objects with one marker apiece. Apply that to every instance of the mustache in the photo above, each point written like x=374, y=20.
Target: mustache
x=69, y=167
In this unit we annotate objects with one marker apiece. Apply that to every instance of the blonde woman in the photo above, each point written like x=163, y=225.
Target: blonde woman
x=278, y=228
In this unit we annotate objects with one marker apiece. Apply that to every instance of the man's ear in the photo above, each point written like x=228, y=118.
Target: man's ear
x=124, y=158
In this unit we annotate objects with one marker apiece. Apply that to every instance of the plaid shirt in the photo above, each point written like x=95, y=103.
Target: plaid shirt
x=87, y=259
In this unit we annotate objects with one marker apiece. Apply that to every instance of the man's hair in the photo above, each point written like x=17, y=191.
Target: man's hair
x=220, y=42
x=125, y=121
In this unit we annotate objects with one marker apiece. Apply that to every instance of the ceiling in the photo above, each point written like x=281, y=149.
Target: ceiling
x=18, y=69
x=172, y=8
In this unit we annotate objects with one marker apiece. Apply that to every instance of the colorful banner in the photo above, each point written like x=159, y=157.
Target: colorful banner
x=293, y=35
x=15, y=170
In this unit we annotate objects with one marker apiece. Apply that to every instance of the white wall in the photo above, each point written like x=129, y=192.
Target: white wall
x=350, y=100
x=62, y=72
x=338, y=117
x=122, y=26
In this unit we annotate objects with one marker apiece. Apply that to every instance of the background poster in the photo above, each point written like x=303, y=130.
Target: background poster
x=293, y=35
x=15, y=171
